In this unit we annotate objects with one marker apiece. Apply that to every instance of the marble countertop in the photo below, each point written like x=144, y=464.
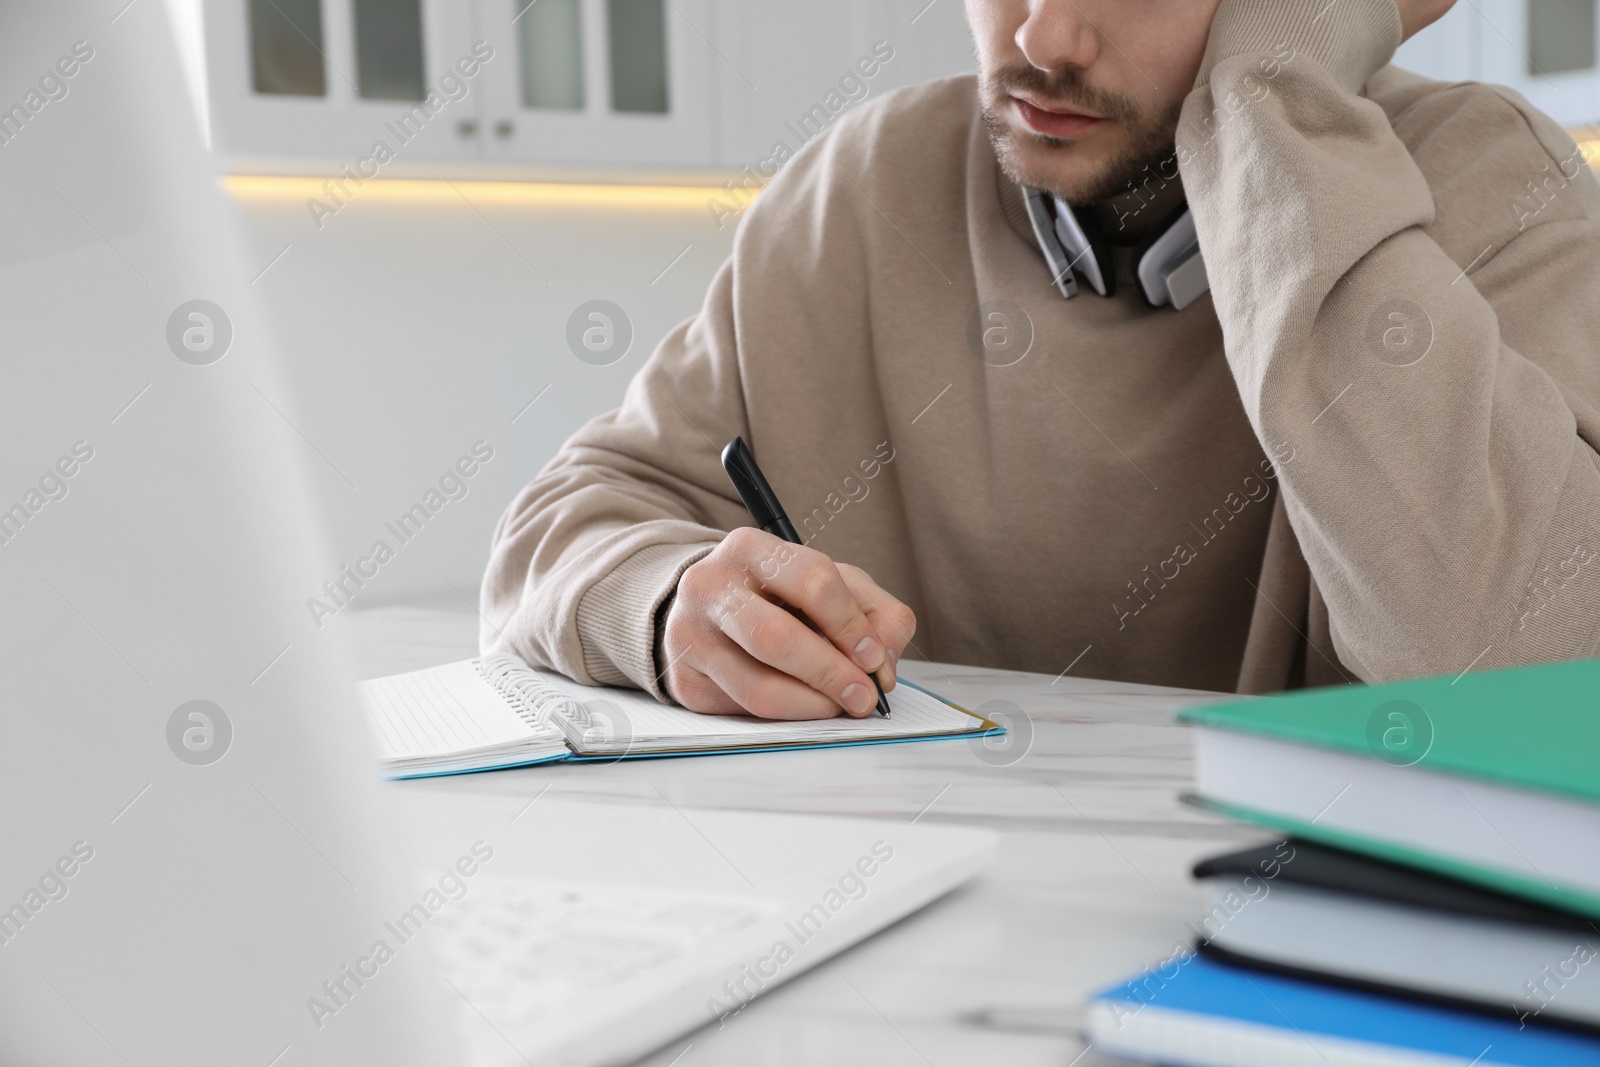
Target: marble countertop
x=1091, y=882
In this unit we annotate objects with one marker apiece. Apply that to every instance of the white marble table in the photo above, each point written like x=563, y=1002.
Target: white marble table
x=1091, y=883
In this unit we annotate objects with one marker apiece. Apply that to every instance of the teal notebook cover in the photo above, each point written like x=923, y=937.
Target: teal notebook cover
x=1531, y=728
x=1535, y=728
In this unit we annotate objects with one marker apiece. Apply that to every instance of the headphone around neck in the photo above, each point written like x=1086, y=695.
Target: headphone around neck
x=1167, y=264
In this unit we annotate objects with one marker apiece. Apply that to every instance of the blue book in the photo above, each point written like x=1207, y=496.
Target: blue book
x=1195, y=1012
x=496, y=711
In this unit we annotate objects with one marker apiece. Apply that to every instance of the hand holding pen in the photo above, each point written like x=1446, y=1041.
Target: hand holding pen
x=768, y=626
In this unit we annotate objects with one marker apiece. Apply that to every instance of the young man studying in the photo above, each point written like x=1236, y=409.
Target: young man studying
x=1355, y=441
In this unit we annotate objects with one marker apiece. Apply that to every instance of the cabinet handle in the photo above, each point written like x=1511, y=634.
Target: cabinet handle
x=467, y=128
x=504, y=128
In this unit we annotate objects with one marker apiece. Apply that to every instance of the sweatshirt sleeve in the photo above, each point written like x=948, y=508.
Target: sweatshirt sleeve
x=1429, y=384
x=780, y=353
x=588, y=553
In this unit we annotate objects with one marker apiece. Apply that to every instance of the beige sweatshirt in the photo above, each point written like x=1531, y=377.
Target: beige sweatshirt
x=1369, y=453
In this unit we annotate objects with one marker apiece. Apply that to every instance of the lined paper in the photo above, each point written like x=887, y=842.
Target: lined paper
x=645, y=724
x=451, y=717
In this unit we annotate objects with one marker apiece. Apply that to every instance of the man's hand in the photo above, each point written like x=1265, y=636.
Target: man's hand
x=1418, y=14
x=737, y=637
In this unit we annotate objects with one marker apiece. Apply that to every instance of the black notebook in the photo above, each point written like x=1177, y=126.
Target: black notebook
x=1312, y=911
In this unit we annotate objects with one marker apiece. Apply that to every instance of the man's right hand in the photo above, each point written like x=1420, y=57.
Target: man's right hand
x=780, y=631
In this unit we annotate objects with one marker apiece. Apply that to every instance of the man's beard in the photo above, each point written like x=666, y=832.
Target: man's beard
x=1148, y=148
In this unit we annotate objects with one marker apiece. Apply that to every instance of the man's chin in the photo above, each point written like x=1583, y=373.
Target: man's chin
x=1062, y=171
x=1106, y=161
x=1081, y=170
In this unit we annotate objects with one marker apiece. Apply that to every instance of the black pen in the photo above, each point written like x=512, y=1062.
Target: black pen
x=768, y=514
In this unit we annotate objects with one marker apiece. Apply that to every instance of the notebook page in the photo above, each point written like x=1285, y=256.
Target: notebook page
x=647, y=722
x=440, y=711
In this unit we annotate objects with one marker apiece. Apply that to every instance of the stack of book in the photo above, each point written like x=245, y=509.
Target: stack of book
x=1436, y=899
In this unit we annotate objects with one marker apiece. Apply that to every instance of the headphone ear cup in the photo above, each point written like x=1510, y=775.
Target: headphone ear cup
x=1087, y=246
x=1100, y=249
x=1142, y=249
x=1056, y=257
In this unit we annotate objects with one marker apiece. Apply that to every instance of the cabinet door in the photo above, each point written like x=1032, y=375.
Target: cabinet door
x=323, y=82
x=579, y=84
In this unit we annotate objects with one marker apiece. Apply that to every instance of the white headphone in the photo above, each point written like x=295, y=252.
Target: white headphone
x=1168, y=263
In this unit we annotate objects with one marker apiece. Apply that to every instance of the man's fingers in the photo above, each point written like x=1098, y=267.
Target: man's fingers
x=776, y=638
x=694, y=690
x=764, y=691
x=1416, y=15
x=714, y=676
x=780, y=631
x=894, y=622
x=808, y=581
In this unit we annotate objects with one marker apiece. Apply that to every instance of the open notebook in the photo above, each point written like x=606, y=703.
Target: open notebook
x=496, y=711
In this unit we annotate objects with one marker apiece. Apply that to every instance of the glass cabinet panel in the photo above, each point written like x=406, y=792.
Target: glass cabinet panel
x=389, y=49
x=286, y=47
x=551, y=35
x=1560, y=36
x=638, y=40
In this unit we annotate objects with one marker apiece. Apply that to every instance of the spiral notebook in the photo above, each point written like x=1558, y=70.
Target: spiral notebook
x=496, y=711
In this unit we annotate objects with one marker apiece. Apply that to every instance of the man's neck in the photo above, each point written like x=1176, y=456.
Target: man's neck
x=1129, y=217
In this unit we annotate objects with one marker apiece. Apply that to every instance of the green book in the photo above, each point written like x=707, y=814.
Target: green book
x=1493, y=778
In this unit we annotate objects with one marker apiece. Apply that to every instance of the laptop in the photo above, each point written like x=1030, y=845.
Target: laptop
x=598, y=932
x=200, y=863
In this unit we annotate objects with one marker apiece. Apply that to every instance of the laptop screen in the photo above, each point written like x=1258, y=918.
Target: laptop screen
x=194, y=843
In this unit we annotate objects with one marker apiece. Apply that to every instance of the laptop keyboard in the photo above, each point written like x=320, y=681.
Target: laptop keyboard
x=521, y=948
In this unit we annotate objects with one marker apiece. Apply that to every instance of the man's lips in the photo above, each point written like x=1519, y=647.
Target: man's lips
x=1055, y=123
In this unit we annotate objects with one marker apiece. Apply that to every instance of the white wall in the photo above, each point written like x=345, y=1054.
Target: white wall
x=412, y=329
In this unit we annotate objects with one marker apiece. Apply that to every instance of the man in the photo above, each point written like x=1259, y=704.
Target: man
x=1369, y=453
